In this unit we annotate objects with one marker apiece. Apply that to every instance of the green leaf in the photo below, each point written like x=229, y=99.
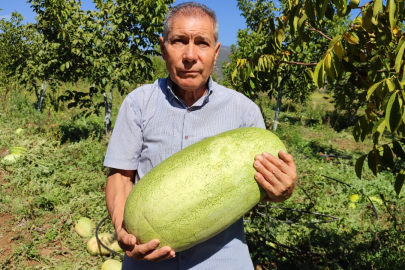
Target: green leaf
x=252, y=84
x=378, y=6
x=398, y=59
x=388, y=157
x=309, y=10
x=374, y=161
x=393, y=113
x=392, y=6
x=378, y=130
x=391, y=85
x=334, y=41
x=62, y=67
x=379, y=126
x=373, y=88
x=359, y=165
x=399, y=182
x=328, y=66
x=324, y=5
x=398, y=150
x=319, y=75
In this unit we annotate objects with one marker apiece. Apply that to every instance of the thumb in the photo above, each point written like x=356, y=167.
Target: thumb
x=125, y=238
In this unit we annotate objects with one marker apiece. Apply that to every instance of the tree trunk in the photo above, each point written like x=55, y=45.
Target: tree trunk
x=108, y=108
x=278, y=107
x=41, y=98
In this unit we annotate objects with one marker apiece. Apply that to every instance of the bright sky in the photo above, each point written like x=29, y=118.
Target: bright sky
x=229, y=18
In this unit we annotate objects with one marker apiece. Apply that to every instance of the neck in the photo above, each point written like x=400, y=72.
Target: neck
x=189, y=96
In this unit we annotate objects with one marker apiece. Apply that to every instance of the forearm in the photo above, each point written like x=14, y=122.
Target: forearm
x=119, y=185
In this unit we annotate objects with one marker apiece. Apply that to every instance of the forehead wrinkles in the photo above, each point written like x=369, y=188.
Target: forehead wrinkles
x=201, y=30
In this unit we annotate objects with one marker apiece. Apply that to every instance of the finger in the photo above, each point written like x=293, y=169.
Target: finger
x=264, y=183
x=288, y=159
x=160, y=254
x=126, y=241
x=264, y=166
x=279, y=164
x=144, y=249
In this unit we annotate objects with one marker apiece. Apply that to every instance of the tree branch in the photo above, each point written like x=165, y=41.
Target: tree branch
x=298, y=63
x=313, y=29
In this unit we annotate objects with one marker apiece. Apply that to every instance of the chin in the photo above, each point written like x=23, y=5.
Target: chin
x=189, y=84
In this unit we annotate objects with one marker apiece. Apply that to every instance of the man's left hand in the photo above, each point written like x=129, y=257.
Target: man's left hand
x=276, y=175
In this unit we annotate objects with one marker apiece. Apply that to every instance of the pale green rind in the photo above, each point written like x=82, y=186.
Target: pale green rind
x=111, y=265
x=199, y=191
x=84, y=227
x=10, y=159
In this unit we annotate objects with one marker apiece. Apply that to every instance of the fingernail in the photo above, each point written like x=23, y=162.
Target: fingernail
x=256, y=164
x=256, y=177
x=265, y=154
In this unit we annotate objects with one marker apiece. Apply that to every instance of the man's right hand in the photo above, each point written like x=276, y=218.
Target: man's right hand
x=145, y=251
x=119, y=185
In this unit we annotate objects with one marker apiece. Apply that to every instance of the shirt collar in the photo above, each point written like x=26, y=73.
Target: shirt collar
x=172, y=95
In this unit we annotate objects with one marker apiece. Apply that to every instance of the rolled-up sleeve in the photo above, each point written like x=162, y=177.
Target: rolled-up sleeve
x=126, y=141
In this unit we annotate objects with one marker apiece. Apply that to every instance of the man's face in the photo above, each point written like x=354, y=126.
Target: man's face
x=190, y=52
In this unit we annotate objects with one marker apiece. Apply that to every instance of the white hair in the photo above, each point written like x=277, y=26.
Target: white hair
x=189, y=9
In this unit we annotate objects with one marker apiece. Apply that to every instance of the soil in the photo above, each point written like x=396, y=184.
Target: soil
x=15, y=231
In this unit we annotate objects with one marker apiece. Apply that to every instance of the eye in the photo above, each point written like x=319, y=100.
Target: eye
x=178, y=41
x=203, y=44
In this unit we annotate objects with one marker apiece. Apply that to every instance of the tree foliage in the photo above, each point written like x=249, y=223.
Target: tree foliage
x=366, y=57
x=111, y=46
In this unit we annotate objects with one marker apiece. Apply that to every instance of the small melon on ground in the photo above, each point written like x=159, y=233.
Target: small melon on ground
x=376, y=200
x=19, y=131
x=10, y=159
x=111, y=265
x=108, y=239
x=84, y=227
x=354, y=198
x=18, y=150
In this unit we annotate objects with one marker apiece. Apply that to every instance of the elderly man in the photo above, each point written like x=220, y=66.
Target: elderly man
x=155, y=121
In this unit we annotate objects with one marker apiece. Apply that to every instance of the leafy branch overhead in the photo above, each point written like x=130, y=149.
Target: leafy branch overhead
x=365, y=55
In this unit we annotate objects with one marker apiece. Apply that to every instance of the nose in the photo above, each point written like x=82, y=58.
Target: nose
x=190, y=53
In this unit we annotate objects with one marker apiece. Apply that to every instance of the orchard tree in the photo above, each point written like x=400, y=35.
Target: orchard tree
x=271, y=59
x=111, y=46
x=367, y=56
x=17, y=45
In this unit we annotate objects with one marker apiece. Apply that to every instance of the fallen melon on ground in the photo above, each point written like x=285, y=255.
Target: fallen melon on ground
x=111, y=265
x=199, y=191
x=108, y=239
x=10, y=159
x=84, y=227
x=18, y=150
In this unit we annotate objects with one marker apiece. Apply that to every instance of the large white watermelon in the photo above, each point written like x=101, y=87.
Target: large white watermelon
x=199, y=191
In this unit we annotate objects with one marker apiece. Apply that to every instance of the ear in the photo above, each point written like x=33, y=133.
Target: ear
x=217, y=46
x=162, y=47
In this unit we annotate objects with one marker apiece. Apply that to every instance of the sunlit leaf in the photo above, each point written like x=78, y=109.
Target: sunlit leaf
x=400, y=53
x=350, y=38
x=392, y=9
x=373, y=88
x=319, y=75
x=378, y=6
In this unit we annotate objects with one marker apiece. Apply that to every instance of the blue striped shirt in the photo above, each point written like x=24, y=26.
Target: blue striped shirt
x=153, y=124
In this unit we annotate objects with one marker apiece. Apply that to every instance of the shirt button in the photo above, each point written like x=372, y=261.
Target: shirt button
x=183, y=258
x=188, y=110
x=186, y=137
